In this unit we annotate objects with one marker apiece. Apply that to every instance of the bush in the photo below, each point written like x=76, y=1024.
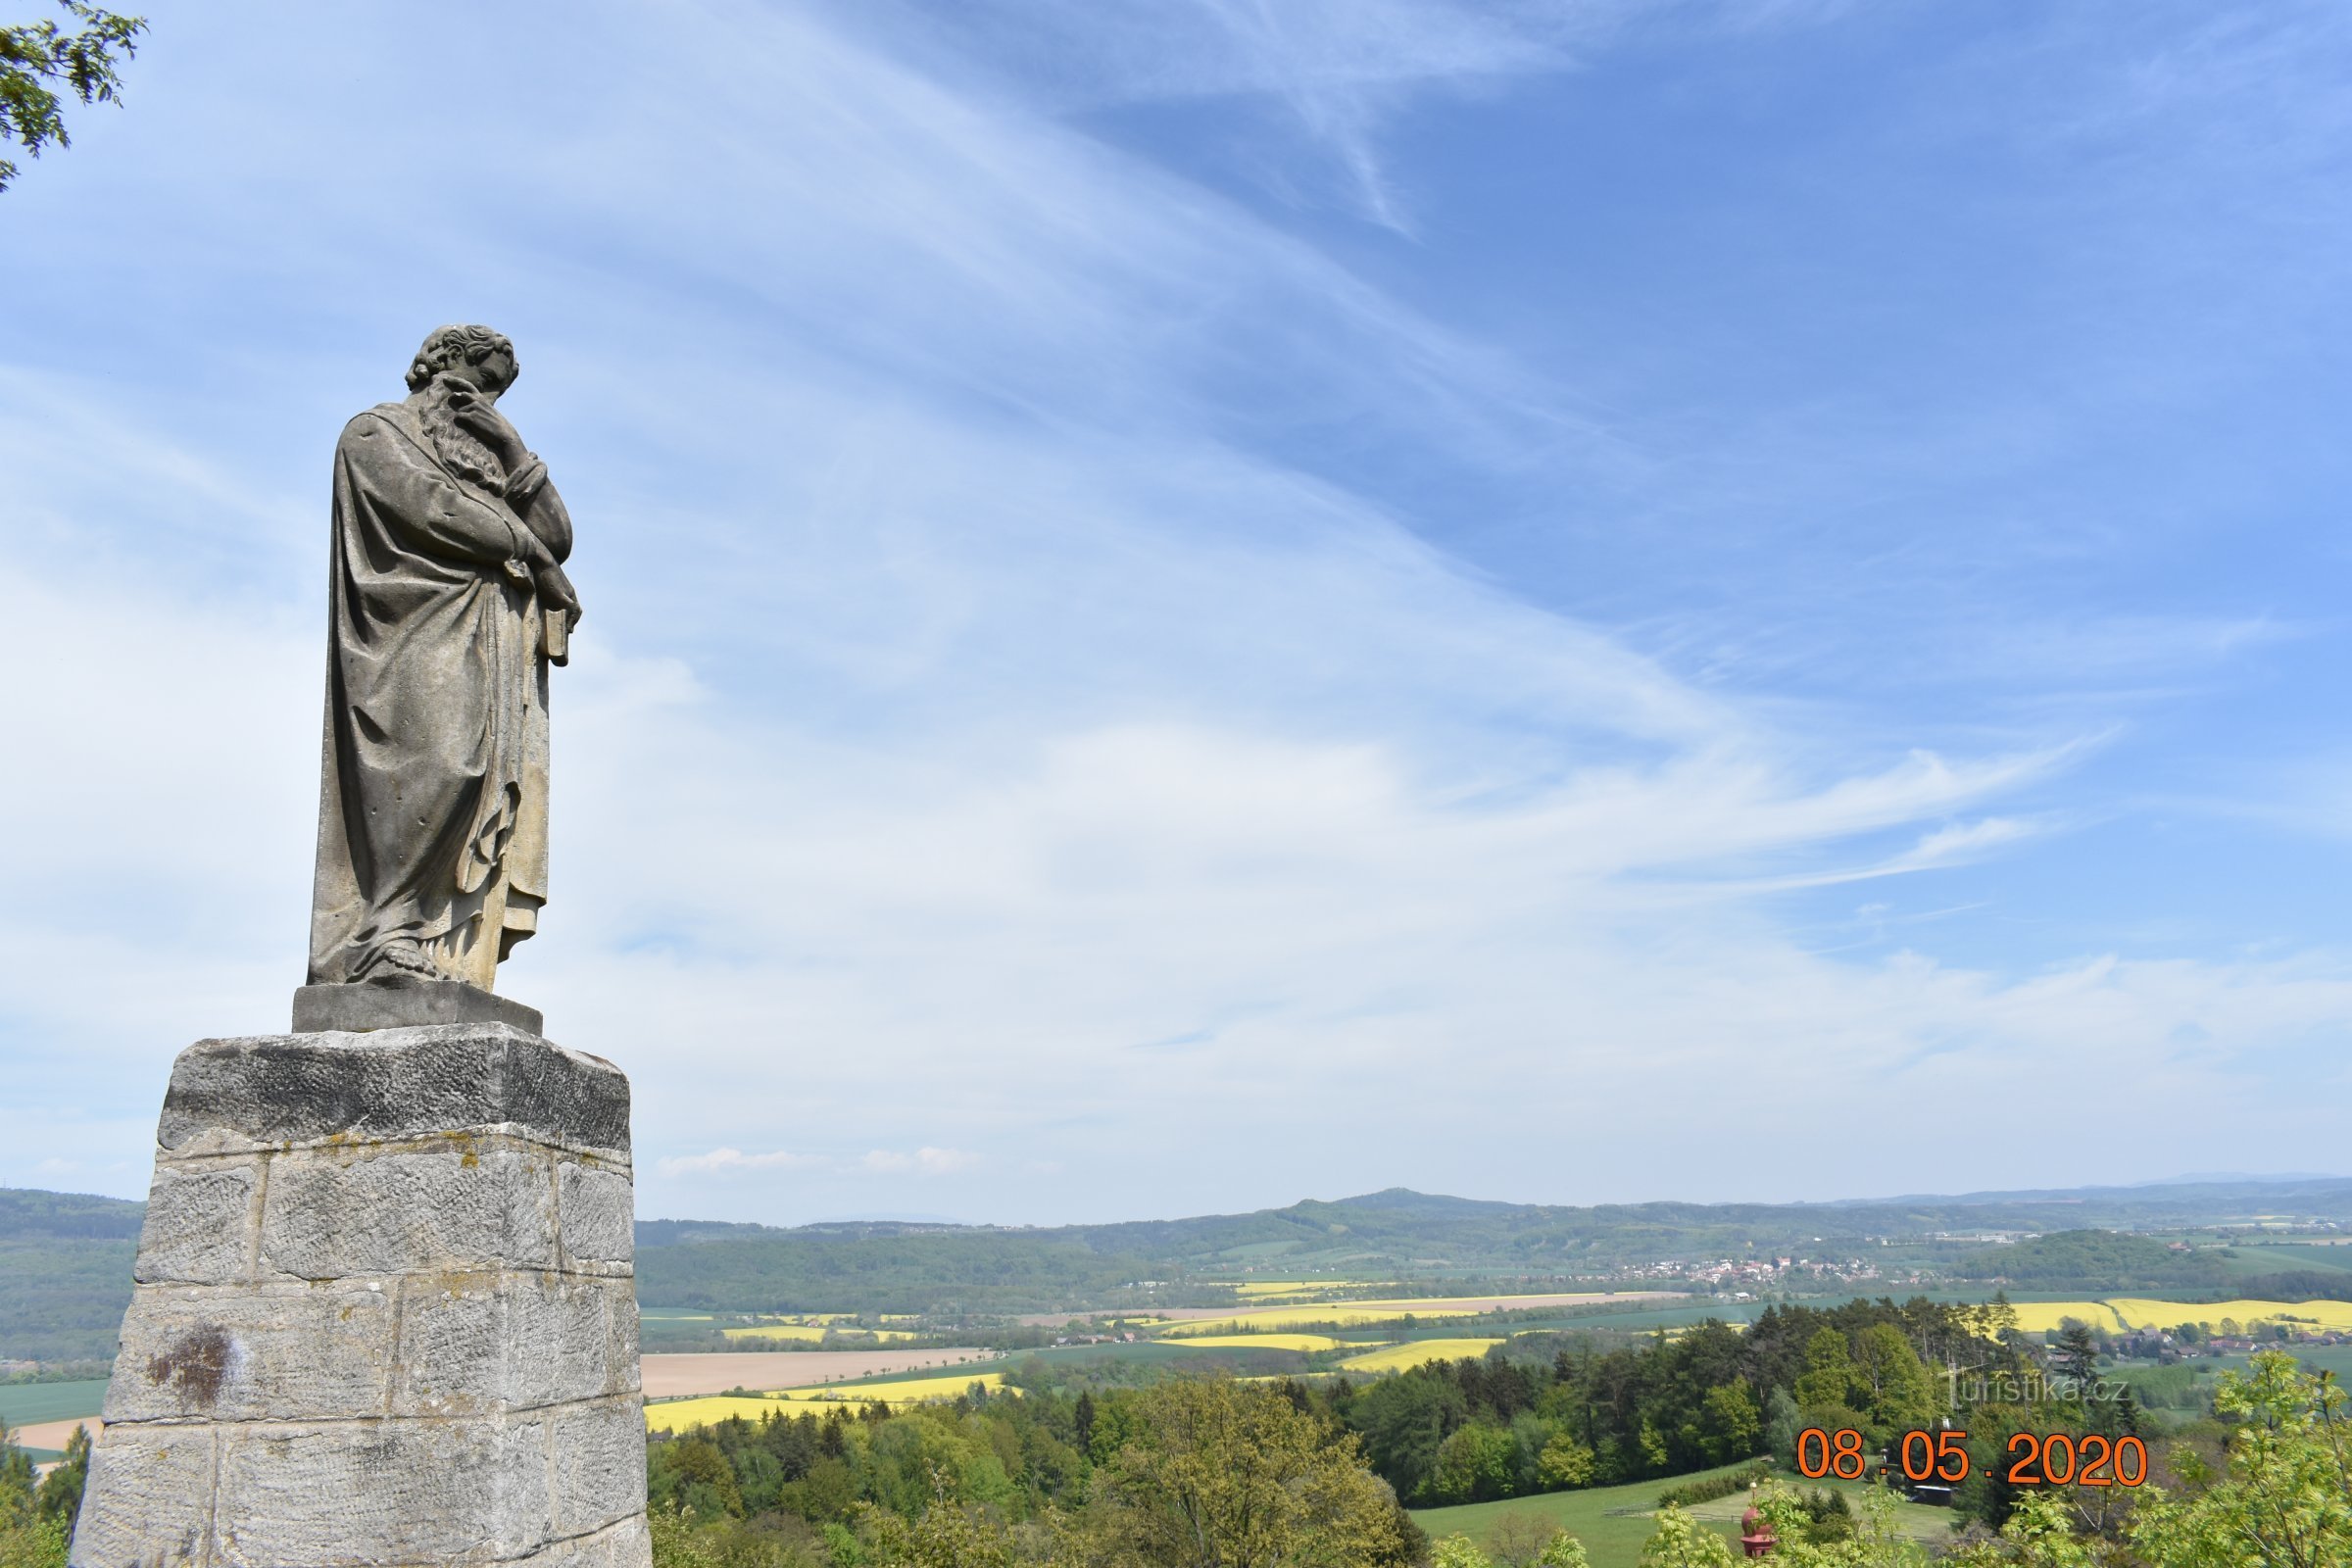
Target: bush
x=27, y=1543
x=1739, y=1479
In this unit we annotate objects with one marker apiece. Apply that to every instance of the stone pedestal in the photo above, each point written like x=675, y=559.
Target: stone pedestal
x=384, y=1312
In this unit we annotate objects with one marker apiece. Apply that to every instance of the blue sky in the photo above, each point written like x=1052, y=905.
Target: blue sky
x=1193, y=602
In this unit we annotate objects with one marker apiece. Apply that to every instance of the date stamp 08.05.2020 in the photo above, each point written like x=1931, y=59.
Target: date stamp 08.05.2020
x=1940, y=1458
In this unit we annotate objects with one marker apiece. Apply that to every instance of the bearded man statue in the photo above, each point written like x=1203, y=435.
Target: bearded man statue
x=446, y=604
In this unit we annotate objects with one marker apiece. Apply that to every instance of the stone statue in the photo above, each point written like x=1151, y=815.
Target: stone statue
x=448, y=603
x=384, y=1311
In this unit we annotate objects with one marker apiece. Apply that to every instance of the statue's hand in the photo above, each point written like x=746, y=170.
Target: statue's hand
x=556, y=594
x=479, y=414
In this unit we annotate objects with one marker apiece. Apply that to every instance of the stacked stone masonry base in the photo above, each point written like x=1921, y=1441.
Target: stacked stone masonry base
x=384, y=1313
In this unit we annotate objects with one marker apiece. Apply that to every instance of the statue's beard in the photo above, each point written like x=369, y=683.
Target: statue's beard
x=460, y=449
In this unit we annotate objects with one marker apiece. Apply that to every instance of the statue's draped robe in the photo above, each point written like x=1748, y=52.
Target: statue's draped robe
x=433, y=816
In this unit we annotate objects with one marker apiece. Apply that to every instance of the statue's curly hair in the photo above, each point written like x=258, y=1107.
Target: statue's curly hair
x=449, y=346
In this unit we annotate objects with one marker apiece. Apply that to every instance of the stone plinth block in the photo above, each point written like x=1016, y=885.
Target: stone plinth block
x=384, y=1313
x=401, y=1002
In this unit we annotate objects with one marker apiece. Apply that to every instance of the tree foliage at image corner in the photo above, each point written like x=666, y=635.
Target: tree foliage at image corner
x=37, y=58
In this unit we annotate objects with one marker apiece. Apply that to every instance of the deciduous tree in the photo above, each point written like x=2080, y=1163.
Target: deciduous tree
x=2284, y=1494
x=1217, y=1474
x=38, y=57
x=1682, y=1542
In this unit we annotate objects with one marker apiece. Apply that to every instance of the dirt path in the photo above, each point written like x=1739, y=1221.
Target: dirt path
x=667, y=1377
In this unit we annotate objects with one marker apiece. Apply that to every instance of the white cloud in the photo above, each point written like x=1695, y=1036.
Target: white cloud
x=925, y=1161
x=734, y=1162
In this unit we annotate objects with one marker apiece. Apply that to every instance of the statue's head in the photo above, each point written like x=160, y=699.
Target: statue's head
x=482, y=357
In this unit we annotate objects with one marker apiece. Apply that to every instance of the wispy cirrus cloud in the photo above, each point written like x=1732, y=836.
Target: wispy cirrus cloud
x=1332, y=70
x=1039, y=711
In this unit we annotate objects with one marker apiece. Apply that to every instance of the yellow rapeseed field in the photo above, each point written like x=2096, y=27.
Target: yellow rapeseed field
x=2121, y=1313
x=678, y=1416
x=2140, y=1312
x=1258, y=1288
x=1398, y=1357
x=1353, y=1315
x=1357, y=1314
x=2041, y=1318
x=931, y=1384
x=1260, y=1341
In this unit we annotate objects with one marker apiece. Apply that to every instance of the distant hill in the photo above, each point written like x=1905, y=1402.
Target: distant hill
x=65, y=1260
x=65, y=1273
x=2107, y=1260
x=1399, y=1233
x=2097, y=1260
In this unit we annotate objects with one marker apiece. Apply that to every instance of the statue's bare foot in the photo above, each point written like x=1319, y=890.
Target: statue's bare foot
x=402, y=959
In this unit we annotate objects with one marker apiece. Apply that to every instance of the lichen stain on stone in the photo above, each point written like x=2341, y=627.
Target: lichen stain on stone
x=195, y=1364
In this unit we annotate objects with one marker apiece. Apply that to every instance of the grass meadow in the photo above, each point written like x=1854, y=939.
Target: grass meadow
x=1612, y=1522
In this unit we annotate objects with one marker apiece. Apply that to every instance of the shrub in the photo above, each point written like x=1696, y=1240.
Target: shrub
x=1739, y=1479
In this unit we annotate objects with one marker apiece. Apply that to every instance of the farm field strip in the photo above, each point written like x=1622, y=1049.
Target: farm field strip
x=1289, y=1317
x=813, y=1332
x=50, y=1437
x=1352, y=1315
x=1520, y=1304
x=25, y=1403
x=1306, y=1343
x=1254, y=1289
x=2125, y=1312
x=678, y=1415
x=911, y=1389
x=1412, y=1354
x=667, y=1376
x=2143, y=1312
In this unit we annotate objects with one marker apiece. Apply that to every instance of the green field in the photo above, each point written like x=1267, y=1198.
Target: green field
x=1640, y=1319
x=1612, y=1522
x=24, y=1404
x=2336, y=1358
x=1146, y=1350
x=2277, y=1257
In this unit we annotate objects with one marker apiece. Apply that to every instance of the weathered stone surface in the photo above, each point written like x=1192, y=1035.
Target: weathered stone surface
x=626, y=1362
x=368, y=1493
x=149, y=1499
x=406, y=1002
x=625, y=1544
x=245, y=1352
x=598, y=1208
x=270, y=1091
x=599, y=1452
x=390, y=1323
x=200, y=1224
x=508, y=1342
x=467, y=1204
